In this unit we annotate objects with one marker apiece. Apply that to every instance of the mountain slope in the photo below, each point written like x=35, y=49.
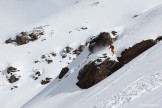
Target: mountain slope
x=64, y=24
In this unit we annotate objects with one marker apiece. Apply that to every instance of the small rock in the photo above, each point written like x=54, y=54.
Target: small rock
x=9, y=41
x=46, y=81
x=49, y=61
x=114, y=33
x=83, y=28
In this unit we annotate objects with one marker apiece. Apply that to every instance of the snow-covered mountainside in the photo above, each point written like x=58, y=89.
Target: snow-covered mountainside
x=55, y=54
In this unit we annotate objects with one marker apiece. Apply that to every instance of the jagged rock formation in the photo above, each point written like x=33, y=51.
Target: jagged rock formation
x=93, y=73
x=129, y=54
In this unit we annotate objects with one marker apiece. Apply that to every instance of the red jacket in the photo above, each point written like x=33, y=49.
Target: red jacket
x=111, y=47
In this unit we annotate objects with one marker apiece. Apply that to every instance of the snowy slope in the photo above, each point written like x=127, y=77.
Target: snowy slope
x=131, y=86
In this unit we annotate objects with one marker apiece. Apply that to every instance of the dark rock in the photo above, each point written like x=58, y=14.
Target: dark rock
x=43, y=82
x=70, y=32
x=35, y=78
x=92, y=73
x=83, y=28
x=11, y=69
x=38, y=73
x=68, y=49
x=49, y=61
x=79, y=50
x=24, y=33
x=20, y=40
x=33, y=36
x=63, y=72
x=159, y=38
x=13, y=79
x=114, y=33
x=9, y=41
x=37, y=61
x=25, y=37
x=135, y=16
x=43, y=57
x=41, y=33
x=46, y=81
x=64, y=55
x=132, y=52
x=53, y=54
x=15, y=86
x=104, y=39
x=99, y=60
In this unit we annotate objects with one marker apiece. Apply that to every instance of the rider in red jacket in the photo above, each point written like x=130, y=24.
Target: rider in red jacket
x=112, y=48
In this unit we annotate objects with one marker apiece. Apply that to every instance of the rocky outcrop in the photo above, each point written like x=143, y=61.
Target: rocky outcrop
x=129, y=54
x=93, y=73
x=22, y=39
x=25, y=37
x=63, y=72
x=102, y=40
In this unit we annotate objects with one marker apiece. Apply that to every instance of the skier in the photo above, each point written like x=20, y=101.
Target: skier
x=112, y=48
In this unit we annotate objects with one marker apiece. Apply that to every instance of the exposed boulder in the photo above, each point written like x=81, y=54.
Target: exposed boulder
x=63, y=72
x=11, y=69
x=132, y=52
x=104, y=39
x=46, y=81
x=93, y=73
x=13, y=79
x=20, y=40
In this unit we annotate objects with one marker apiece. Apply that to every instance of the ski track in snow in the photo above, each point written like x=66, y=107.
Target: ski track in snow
x=140, y=87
